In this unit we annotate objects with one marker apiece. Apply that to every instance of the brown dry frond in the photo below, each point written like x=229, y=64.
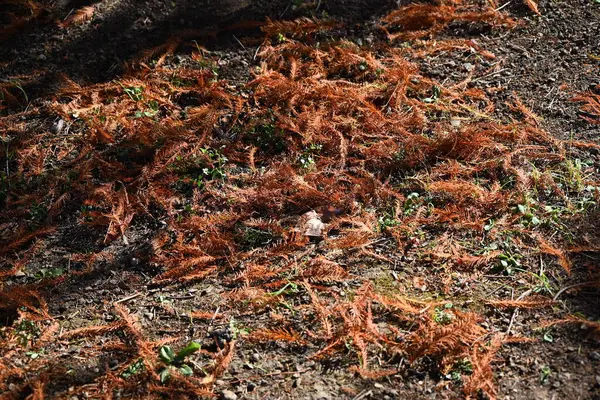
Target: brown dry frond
x=78, y=17
x=301, y=26
x=447, y=341
x=590, y=109
x=547, y=248
x=90, y=331
x=533, y=6
x=420, y=20
x=322, y=270
x=267, y=335
x=594, y=326
x=372, y=374
x=482, y=378
x=222, y=361
x=530, y=303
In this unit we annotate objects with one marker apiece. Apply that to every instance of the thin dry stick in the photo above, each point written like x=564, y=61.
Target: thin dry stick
x=133, y=296
x=516, y=311
x=581, y=284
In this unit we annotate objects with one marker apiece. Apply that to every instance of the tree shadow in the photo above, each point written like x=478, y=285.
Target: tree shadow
x=97, y=50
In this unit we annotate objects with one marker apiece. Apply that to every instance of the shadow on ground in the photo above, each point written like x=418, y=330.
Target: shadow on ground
x=97, y=51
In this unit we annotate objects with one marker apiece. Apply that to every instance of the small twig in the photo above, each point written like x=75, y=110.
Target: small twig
x=212, y=320
x=365, y=393
x=286, y=8
x=525, y=294
x=374, y=242
x=241, y=44
x=516, y=311
x=502, y=6
x=561, y=291
x=256, y=53
x=512, y=320
x=133, y=296
x=490, y=74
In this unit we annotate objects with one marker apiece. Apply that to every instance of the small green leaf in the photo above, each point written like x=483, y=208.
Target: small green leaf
x=164, y=375
x=188, y=350
x=166, y=354
x=186, y=370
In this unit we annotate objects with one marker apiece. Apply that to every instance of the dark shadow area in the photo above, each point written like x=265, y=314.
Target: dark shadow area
x=97, y=50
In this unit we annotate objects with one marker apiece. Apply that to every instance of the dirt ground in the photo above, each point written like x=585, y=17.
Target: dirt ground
x=545, y=61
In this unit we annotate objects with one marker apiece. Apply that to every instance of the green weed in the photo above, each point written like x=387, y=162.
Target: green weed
x=176, y=360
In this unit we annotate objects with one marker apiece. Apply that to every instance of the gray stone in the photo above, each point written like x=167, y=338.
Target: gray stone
x=594, y=355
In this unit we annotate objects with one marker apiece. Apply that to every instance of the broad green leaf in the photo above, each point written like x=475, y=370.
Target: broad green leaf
x=166, y=354
x=188, y=350
x=186, y=370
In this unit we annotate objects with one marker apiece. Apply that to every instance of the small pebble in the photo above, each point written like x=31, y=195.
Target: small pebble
x=595, y=356
x=228, y=395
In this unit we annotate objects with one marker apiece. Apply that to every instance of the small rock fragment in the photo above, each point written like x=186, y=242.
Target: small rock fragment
x=314, y=228
x=228, y=395
x=310, y=225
